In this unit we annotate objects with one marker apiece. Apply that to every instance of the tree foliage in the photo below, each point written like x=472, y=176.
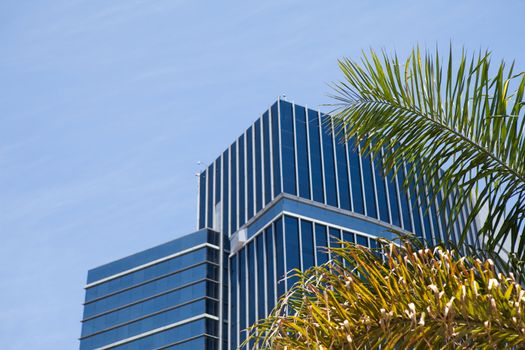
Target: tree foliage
x=401, y=299
x=460, y=119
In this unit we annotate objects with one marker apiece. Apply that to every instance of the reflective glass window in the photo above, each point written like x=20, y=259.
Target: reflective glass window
x=249, y=172
x=167, y=337
x=369, y=189
x=218, y=180
x=418, y=227
x=293, y=258
x=335, y=237
x=382, y=201
x=275, y=150
x=355, y=177
x=258, y=167
x=270, y=267
x=328, y=158
x=342, y=168
x=149, y=273
x=403, y=198
x=252, y=296
x=234, y=303
x=267, y=159
x=149, y=289
x=209, y=200
x=279, y=247
x=242, y=295
x=242, y=178
x=348, y=237
x=225, y=184
x=361, y=240
x=233, y=188
x=434, y=213
x=260, y=277
x=202, y=200
x=393, y=197
x=288, y=150
x=307, y=241
x=154, y=321
x=315, y=156
x=321, y=242
x=303, y=168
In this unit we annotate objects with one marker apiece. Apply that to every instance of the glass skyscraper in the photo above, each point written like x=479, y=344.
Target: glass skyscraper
x=286, y=187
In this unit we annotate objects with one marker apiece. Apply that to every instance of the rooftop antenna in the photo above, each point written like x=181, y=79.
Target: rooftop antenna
x=200, y=164
x=283, y=96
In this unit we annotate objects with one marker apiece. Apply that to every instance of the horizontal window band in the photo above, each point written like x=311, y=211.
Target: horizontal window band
x=148, y=315
x=149, y=298
x=151, y=263
x=157, y=330
x=205, y=262
x=206, y=335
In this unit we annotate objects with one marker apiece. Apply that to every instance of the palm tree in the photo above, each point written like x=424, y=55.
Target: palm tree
x=425, y=299
x=461, y=119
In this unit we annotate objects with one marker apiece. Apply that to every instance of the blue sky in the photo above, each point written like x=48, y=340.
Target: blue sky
x=106, y=107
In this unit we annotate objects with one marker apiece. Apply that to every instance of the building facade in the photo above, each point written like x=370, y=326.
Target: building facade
x=166, y=297
x=285, y=188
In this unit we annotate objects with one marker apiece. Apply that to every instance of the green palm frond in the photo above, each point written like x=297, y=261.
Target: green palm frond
x=460, y=120
x=403, y=299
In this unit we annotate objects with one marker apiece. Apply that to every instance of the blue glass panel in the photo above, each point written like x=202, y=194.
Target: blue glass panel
x=218, y=180
x=233, y=305
x=252, y=297
x=315, y=156
x=424, y=210
x=355, y=175
x=233, y=188
x=242, y=295
x=329, y=165
x=150, y=273
x=288, y=150
x=303, y=167
x=242, y=177
x=369, y=189
x=167, y=337
x=418, y=227
x=348, y=237
x=342, y=168
x=258, y=167
x=226, y=189
x=321, y=242
x=209, y=200
x=267, y=159
x=149, y=255
x=335, y=237
x=249, y=172
x=260, y=277
x=393, y=197
x=403, y=198
x=293, y=258
x=251, y=284
x=270, y=267
x=202, y=200
x=143, y=291
x=361, y=240
x=307, y=238
x=382, y=202
x=275, y=151
x=279, y=254
x=158, y=320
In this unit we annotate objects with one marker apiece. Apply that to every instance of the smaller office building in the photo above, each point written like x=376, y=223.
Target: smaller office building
x=166, y=297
